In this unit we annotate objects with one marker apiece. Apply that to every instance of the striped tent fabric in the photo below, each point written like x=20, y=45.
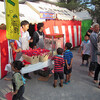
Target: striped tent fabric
x=3, y=53
x=70, y=29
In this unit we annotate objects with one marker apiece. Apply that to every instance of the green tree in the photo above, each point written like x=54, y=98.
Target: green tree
x=71, y=4
x=95, y=12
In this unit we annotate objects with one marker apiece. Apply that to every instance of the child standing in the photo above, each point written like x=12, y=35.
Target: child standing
x=17, y=81
x=58, y=67
x=68, y=57
x=85, y=46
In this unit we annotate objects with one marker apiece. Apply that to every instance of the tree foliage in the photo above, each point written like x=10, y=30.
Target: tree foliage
x=72, y=4
x=96, y=11
x=78, y=6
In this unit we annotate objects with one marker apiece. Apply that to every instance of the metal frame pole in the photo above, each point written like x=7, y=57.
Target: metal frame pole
x=52, y=43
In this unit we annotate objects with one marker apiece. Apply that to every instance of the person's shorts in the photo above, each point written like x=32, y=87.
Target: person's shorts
x=67, y=71
x=85, y=57
x=58, y=74
x=93, y=66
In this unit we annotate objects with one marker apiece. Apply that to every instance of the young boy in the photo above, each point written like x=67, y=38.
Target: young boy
x=58, y=67
x=25, y=37
x=17, y=81
x=68, y=57
x=85, y=46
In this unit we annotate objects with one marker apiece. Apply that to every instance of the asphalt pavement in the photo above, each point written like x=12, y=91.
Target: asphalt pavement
x=80, y=88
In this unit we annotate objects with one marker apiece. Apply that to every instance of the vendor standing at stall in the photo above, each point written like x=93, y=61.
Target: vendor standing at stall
x=22, y=43
x=38, y=37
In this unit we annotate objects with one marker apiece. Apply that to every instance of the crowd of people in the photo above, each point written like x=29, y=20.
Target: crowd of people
x=90, y=49
x=62, y=61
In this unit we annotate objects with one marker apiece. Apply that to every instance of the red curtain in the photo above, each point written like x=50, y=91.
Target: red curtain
x=4, y=52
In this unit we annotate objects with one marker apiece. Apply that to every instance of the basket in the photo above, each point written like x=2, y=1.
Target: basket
x=32, y=60
x=43, y=58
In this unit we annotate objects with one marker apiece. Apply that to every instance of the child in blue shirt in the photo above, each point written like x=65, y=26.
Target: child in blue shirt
x=68, y=57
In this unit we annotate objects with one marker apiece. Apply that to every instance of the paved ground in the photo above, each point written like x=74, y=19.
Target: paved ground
x=80, y=88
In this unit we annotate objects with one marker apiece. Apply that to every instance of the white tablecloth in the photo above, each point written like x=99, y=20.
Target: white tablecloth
x=31, y=68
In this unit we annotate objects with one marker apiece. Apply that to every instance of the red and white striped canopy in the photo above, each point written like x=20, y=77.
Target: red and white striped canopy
x=70, y=29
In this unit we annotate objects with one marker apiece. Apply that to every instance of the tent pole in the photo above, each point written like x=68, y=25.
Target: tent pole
x=63, y=41
x=52, y=44
x=9, y=52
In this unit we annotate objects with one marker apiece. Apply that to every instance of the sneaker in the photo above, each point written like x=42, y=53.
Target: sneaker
x=22, y=98
x=60, y=85
x=54, y=85
x=65, y=83
x=82, y=65
x=86, y=64
x=99, y=86
x=35, y=72
x=96, y=81
x=91, y=75
x=69, y=81
x=27, y=77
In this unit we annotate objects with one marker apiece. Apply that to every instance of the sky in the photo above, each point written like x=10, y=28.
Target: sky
x=88, y=5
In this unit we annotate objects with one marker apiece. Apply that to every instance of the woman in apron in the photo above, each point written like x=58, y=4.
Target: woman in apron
x=38, y=37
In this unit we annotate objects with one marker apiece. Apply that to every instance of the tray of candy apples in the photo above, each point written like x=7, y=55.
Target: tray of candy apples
x=34, y=56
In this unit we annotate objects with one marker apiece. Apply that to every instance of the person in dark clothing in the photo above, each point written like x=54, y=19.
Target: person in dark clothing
x=93, y=48
x=31, y=31
x=89, y=31
x=98, y=58
x=38, y=37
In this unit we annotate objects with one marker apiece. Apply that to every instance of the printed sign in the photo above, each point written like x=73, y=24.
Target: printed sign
x=12, y=19
x=47, y=15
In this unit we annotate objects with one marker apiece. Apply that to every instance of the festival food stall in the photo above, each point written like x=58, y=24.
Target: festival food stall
x=70, y=29
x=36, y=59
x=24, y=14
x=67, y=28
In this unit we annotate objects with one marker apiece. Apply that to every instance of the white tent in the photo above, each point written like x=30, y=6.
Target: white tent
x=25, y=12
x=84, y=15
x=2, y=13
x=30, y=11
x=62, y=13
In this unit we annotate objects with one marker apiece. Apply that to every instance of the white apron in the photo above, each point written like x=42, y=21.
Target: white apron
x=25, y=43
x=40, y=44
